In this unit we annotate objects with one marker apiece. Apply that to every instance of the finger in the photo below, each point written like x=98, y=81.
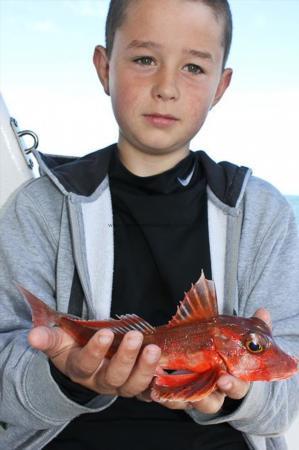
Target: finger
x=210, y=404
x=233, y=387
x=122, y=363
x=49, y=340
x=143, y=372
x=264, y=315
x=145, y=396
x=171, y=404
x=89, y=358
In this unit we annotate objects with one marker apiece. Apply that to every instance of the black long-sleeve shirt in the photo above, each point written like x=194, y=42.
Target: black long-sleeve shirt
x=161, y=244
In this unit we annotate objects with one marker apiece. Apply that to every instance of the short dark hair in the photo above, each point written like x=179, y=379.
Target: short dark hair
x=117, y=14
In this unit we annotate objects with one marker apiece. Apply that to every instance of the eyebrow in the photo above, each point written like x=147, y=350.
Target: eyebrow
x=198, y=53
x=143, y=44
x=154, y=45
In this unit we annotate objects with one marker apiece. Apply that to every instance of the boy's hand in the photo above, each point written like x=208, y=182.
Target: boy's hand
x=123, y=375
x=227, y=386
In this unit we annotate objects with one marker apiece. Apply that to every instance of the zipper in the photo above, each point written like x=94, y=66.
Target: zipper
x=78, y=242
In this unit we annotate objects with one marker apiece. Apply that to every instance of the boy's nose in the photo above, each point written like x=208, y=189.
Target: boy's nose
x=165, y=87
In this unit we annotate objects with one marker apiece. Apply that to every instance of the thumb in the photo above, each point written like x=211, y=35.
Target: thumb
x=264, y=315
x=51, y=341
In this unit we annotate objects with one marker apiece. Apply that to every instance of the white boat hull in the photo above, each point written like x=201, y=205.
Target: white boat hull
x=14, y=164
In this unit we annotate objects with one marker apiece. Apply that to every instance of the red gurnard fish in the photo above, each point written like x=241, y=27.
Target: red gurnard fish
x=197, y=342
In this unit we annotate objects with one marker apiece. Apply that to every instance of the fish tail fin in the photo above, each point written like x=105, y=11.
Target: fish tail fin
x=42, y=314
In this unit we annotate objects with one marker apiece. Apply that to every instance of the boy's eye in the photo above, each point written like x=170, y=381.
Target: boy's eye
x=144, y=61
x=193, y=68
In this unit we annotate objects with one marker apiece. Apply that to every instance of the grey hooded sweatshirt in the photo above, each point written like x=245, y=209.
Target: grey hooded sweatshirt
x=62, y=223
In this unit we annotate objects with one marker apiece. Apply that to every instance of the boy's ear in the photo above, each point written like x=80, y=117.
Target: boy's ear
x=223, y=85
x=101, y=62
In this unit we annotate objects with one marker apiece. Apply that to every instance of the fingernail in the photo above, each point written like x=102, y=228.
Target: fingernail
x=226, y=385
x=133, y=342
x=105, y=339
x=152, y=356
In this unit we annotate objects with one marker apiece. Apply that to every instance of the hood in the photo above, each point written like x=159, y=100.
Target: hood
x=83, y=175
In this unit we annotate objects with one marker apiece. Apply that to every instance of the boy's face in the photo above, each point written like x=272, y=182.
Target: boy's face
x=164, y=74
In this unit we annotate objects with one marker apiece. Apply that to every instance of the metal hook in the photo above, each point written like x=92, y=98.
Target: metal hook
x=34, y=137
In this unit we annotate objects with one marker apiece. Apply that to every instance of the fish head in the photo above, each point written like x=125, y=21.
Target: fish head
x=249, y=351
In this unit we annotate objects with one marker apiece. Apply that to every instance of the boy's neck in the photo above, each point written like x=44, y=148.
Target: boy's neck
x=145, y=164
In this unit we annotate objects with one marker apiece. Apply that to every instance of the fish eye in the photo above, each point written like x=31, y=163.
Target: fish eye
x=253, y=347
x=254, y=344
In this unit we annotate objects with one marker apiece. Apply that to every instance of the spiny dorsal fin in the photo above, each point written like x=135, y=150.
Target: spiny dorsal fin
x=198, y=304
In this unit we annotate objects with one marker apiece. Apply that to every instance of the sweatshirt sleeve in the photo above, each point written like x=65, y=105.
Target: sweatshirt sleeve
x=30, y=397
x=268, y=277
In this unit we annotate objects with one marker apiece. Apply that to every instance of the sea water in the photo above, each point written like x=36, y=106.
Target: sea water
x=292, y=434
x=294, y=201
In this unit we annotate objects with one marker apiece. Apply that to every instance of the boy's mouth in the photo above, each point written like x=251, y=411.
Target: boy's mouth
x=160, y=120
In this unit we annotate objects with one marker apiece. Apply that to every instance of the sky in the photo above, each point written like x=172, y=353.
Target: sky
x=50, y=86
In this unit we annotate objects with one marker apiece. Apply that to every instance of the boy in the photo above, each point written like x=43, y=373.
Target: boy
x=174, y=212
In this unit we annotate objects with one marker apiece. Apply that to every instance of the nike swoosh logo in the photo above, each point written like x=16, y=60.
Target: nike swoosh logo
x=186, y=181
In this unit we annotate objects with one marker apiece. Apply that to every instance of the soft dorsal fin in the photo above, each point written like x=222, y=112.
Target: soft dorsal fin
x=198, y=304
x=133, y=322
x=122, y=324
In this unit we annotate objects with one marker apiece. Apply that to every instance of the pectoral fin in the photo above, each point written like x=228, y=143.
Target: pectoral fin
x=185, y=387
x=176, y=380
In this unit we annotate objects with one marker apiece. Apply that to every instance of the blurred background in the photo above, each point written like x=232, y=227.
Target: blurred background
x=49, y=83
